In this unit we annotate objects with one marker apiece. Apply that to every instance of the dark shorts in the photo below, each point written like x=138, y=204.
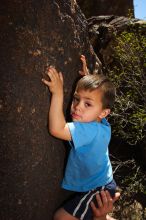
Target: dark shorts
x=79, y=205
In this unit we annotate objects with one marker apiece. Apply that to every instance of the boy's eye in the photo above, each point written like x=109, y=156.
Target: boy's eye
x=87, y=104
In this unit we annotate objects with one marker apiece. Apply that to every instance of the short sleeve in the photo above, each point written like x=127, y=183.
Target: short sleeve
x=83, y=133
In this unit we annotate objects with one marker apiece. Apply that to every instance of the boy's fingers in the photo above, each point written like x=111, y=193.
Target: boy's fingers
x=109, y=201
x=117, y=196
x=51, y=75
x=50, y=69
x=99, y=201
x=81, y=73
x=54, y=74
x=108, y=196
x=46, y=82
x=83, y=57
x=105, y=203
x=61, y=76
x=54, y=71
x=94, y=209
x=85, y=70
x=104, y=197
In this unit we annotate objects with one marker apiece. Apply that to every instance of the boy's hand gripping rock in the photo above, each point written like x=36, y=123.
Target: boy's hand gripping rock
x=84, y=70
x=55, y=84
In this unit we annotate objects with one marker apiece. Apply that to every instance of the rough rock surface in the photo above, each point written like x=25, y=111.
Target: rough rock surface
x=35, y=34
x=102, y=30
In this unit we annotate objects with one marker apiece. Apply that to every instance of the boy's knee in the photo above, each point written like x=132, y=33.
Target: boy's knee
x=58, y=215
x=61, y=214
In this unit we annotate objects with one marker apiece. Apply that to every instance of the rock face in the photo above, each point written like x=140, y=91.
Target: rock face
x=102, y=30
x=101, y=33
x=35, y=34
x=105, y=7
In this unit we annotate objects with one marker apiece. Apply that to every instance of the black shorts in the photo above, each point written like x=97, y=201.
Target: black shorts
x=79, y=205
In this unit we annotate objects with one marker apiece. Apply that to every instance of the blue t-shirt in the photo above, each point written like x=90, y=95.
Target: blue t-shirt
x=88, y=163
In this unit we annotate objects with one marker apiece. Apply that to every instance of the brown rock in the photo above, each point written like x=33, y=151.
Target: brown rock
x=33, y=35
x=102, y=30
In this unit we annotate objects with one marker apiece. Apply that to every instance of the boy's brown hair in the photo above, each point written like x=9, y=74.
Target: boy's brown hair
x=93, y=82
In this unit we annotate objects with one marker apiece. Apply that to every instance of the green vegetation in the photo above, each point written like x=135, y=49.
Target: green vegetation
x=128, y=72
x=133, y=191
x=129, y=76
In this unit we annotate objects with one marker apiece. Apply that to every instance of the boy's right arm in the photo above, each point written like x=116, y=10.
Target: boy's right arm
x=57, y=124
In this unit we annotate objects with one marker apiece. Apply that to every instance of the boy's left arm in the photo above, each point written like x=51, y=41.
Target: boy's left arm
x=57, y=124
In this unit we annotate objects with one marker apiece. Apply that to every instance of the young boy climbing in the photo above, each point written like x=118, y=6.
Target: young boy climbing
x=88, y=169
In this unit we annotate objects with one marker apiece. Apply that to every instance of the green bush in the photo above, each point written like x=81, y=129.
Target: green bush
x=129, y=75
x=132, y=182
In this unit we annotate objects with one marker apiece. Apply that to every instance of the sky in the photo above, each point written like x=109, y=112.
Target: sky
x=140, y=9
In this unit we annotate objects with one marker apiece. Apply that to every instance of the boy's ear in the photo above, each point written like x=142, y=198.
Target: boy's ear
x=105, y=113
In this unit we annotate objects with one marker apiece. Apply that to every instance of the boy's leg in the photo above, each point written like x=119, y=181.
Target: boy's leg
x=106, y=217
x=61, y=214
x=109, y=218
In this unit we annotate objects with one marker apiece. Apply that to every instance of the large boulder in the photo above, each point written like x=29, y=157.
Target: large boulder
x=33, y=35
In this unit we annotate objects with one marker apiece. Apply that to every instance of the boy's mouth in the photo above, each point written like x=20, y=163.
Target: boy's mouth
x=75, y=116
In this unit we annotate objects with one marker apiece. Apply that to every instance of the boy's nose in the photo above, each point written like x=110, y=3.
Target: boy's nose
x=78, y=106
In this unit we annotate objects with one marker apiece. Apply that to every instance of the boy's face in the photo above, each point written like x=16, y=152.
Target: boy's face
x=87, y=106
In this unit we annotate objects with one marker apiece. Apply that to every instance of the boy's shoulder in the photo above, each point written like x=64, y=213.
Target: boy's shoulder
x=105, y=122
x=83, y=133
x=91, y=128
